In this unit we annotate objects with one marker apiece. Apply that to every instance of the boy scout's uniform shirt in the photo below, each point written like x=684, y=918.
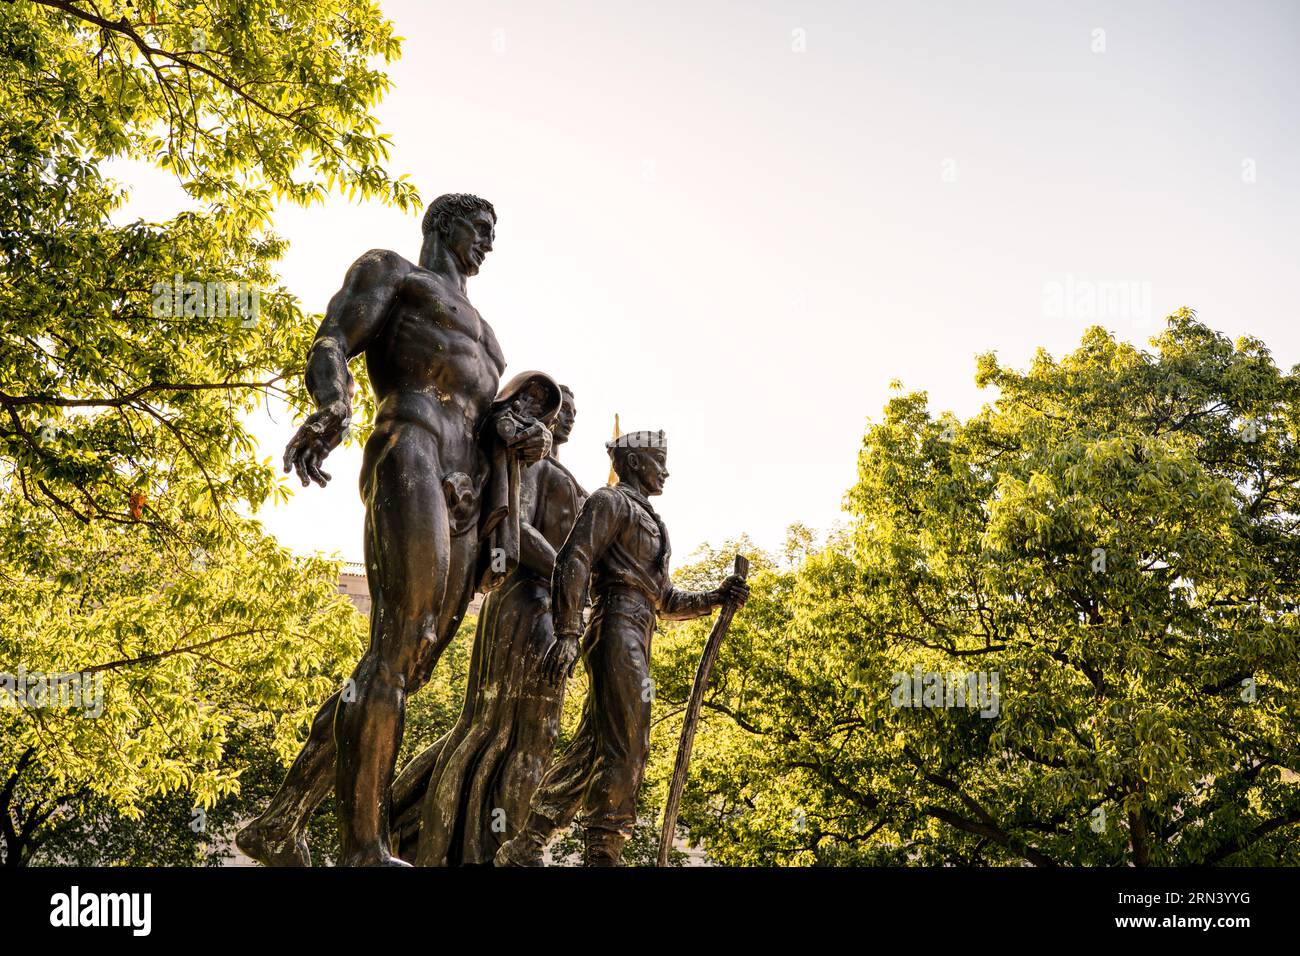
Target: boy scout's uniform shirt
x=620, y=542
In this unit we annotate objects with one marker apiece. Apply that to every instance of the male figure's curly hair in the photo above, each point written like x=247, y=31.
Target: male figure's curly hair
x=450, y=206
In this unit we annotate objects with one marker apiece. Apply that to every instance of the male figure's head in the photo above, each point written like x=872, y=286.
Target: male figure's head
x=641, y=460
x=562, y=424
x=462, y=225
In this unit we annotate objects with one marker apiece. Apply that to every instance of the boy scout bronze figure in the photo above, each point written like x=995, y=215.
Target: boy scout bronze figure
x=620, y=546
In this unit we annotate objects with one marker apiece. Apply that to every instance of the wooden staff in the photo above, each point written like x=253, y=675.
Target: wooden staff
x=692, y=720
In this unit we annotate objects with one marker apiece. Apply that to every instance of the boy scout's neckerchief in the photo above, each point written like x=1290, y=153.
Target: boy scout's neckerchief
x=644, y=502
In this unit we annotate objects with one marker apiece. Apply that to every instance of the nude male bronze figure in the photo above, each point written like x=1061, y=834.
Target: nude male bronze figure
x=435, y=365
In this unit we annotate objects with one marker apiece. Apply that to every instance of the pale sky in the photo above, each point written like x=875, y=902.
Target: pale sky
x=739, y=221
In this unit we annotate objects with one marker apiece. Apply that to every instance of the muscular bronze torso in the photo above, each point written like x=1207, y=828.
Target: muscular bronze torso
x=435, y=363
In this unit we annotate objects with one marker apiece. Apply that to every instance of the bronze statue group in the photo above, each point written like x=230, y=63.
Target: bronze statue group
x=464, y=494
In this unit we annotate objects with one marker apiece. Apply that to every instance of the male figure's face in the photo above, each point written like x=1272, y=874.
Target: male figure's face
x=651, y=466
x=564, y=418
x=469, y=239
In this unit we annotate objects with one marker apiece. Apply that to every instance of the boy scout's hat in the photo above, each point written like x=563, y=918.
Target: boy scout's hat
x=641, y=439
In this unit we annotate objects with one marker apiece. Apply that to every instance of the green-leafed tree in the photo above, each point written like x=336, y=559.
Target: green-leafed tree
x=130, y=356
x=123, y=375
x=175, y=829
x=177, y=654
x=1114, y=537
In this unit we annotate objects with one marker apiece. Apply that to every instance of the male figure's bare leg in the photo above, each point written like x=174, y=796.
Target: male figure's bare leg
x=410, y=785
x=278, y=836
x=408, y=556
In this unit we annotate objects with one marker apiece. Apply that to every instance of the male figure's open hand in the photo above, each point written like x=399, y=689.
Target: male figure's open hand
x=319, y=435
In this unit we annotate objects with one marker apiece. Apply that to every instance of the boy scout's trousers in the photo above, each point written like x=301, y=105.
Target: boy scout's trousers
x=597, y=778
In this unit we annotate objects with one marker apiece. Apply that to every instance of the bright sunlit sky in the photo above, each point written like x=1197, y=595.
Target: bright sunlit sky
x=739, y=221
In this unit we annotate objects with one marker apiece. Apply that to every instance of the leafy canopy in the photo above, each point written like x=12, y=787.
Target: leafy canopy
x=1114, y=537
x=126, y=472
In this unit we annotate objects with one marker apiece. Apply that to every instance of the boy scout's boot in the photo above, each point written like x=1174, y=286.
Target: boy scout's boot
x=525, y=848
x=602, y=848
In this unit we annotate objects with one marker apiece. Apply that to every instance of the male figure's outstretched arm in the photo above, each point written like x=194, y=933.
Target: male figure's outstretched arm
x=353, y=318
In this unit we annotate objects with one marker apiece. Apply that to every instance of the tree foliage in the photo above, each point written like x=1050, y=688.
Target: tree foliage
x=1115, y=537
x=176, y=654
x=115, y=393
x=126, y=471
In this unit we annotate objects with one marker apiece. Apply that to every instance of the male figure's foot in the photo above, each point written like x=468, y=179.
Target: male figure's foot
x=270, y=846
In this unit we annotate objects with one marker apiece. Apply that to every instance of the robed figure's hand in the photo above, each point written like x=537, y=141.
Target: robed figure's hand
x=561, y=658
